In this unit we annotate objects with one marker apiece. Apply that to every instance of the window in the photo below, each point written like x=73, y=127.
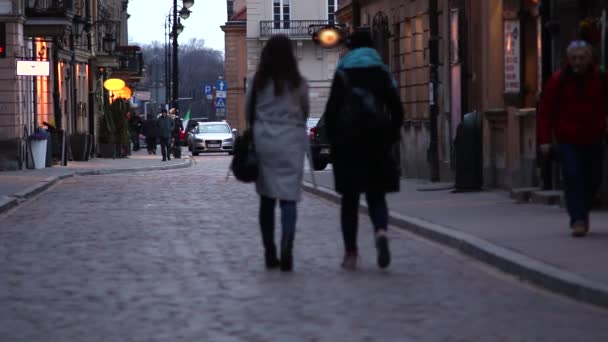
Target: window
x=332, y=8
x=281, y=13
x=220, y=128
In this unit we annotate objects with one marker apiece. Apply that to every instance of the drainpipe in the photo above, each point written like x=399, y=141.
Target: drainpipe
x=433, y=151
x=356, y=14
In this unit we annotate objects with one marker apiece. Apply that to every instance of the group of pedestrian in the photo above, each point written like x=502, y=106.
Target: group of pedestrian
x=363, y=105
x=164, y=130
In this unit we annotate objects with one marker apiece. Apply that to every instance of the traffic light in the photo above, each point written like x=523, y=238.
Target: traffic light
x=2, y=40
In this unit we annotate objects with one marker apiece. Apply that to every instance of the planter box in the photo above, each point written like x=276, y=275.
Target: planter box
x=39, y=153
x=107, y=151
x=79, y=143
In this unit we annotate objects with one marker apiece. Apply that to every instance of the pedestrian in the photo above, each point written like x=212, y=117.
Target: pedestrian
x=150, y=132
x=165, y=125
x=364, y=116
x=572, y=115
x=135, y=129
x=277, y=106
x=178, y=128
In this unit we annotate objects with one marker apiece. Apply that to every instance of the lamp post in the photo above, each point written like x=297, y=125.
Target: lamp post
x=177, y=28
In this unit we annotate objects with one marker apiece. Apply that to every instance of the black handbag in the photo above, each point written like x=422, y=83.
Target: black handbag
x=245, y=165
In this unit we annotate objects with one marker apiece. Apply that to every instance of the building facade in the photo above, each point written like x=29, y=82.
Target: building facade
x=266, y=18
x=452, y=57
x=235, y=31
x=83, y=41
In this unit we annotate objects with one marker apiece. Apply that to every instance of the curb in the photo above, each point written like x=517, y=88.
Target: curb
x=527, y=269
x=9, y=202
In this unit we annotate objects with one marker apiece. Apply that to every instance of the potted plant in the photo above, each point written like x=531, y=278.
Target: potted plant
x=38, y=141
x=106, y=145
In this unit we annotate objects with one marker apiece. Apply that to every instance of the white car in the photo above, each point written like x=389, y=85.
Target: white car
x=211, y=137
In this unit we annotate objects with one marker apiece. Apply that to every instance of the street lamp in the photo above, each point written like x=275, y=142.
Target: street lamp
x=188, y=3
x=109, y=43
x=184, y=13
x=178, y=28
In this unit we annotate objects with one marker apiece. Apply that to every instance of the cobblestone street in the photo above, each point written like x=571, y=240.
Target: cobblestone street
x=176, y=256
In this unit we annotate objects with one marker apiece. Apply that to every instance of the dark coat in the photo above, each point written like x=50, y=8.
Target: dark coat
x=149, y=128
x=165, y=126
x=370, y=165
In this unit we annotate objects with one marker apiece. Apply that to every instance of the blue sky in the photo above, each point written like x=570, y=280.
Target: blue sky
x=148, y=19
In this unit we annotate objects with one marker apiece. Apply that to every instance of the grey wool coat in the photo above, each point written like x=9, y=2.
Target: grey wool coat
x=279, y=135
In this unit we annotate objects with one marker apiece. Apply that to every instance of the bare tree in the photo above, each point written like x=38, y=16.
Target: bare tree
x=198, y=65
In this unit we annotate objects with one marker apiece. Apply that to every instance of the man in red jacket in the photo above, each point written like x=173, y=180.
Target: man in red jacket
x=572, y=114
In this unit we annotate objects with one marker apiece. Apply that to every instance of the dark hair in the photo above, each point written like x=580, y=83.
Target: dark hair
x=361, y=38
x=278, y=64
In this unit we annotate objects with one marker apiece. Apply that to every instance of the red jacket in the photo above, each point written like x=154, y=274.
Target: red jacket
x=570, y=114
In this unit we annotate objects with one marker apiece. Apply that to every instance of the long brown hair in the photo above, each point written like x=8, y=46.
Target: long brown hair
x=278, y=64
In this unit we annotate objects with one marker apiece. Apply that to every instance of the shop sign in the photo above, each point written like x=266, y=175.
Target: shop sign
x=512, y=56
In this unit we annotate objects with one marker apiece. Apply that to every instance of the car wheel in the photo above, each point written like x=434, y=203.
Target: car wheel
x=319, y=164
x=195, y=153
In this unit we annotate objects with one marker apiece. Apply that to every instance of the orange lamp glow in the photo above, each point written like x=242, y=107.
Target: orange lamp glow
x=114, y=84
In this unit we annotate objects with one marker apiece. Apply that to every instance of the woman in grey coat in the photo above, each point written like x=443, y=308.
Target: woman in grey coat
x=278, y=100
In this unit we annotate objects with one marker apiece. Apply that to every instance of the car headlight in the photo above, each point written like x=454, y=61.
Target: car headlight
x=229, y=140
x=198, y=140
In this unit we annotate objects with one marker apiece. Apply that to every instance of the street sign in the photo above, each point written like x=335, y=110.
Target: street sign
x=220, y=103
x=220, y=94
x=208, y=89
x=220, y=112
x=221, y=85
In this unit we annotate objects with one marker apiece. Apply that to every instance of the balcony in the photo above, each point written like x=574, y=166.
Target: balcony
x=48, y=18
x=291, y=28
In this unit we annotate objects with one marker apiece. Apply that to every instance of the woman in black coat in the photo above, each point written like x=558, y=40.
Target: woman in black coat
x=364, y=116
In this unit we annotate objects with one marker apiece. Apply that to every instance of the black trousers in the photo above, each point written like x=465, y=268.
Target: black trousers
x=378, y=212
x=165, y=145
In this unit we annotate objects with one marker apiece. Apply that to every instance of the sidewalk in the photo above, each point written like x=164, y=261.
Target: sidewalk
x=530, y=241
x=16, y=186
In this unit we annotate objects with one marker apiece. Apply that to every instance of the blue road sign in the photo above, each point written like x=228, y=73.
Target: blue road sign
x=221, y=85
x=208, y=89
x=220, y=103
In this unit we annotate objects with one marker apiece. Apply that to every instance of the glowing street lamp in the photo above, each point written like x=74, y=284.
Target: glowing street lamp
x=329, y=36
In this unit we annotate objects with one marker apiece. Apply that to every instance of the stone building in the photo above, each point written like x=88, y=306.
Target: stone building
x=83, y=41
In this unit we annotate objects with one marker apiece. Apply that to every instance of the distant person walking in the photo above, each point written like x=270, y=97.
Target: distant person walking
x=364, y=116
x=277, y=105
x=150, y=132
x=165, y=126
x=135, y=129
x=572, y=114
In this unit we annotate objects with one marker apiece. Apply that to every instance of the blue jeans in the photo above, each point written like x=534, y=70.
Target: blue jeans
x=378, y=212
x=582, y=174
x=288, y=223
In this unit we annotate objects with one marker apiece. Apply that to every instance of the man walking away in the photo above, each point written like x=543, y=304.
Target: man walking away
x=573, y=111
x=364, y=116
x=165, y=126
x=149, y=130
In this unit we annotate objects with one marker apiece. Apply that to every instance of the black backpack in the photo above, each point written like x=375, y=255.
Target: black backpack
x=364, y=117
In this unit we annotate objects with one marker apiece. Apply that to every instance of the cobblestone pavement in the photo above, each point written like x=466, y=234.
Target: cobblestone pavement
x=176, y=256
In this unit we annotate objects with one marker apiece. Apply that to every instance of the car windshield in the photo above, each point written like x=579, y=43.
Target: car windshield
x=213, y=129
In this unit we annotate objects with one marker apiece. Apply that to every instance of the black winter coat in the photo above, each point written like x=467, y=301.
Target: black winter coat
x=371, y=165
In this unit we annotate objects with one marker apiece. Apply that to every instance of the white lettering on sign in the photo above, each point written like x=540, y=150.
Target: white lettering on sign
x=512, y=56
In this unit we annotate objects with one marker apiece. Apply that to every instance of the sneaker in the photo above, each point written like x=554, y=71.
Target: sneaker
x=580, y=229
x=350, y=261
x=384, y=255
